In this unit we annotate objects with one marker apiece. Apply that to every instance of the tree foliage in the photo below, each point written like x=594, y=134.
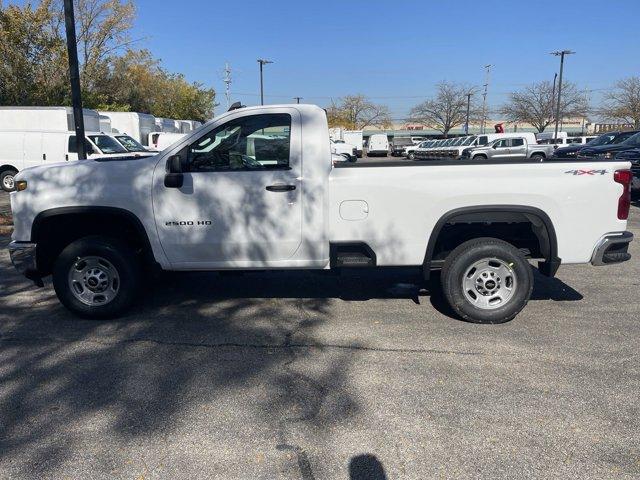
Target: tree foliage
x=536, y=104
x=114, y=75
x=447, y=109
x=623, y=102
x=356, y=112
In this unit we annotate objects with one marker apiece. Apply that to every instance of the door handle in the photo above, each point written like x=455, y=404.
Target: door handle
x=281, y=188
x=44, y=156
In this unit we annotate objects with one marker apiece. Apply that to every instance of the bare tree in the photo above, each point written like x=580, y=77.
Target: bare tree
x=103, y=30
x=535, y=104
x=358, y=112
x=623, y=102
x=447, y=109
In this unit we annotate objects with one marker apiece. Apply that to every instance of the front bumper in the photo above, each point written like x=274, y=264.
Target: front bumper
x=23, y=257
x=612, y=248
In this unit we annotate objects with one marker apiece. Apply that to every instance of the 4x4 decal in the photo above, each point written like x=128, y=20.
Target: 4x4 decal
x=586, y=172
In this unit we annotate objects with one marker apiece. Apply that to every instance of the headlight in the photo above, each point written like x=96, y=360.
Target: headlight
x=608, y=155
x=21, y=185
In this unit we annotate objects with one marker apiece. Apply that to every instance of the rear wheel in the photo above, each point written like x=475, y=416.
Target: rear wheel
x=96, y=277
x=7, y=180
x=487, y=280
x=537, y=157
x=411, y=155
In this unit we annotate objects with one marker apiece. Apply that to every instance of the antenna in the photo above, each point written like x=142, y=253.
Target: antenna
x=227, y=83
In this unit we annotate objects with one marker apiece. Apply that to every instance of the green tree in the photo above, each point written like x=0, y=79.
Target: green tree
x=32, y=56
x=114, y=75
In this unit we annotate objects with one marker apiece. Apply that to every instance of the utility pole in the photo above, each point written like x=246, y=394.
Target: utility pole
x=227, y=83
x=484, y=97
x=262, y=62
x=553, y=94
x=560, y=54
x=466, y=125
x=74, y=75
x=297, y=99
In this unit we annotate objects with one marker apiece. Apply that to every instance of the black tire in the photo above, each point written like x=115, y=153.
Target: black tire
x=411, y=155
x=479, y=157
x=114, y=251
x=463, y=258
x=6, y=180
x=538, y=157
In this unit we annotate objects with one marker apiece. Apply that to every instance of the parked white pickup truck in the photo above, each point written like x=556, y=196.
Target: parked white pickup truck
x=256, y=189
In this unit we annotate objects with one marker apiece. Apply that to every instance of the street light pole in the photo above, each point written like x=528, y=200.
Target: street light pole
x=262, y=62
x=560, y=54
x=74, y=75
x=484, y=97
x=466, y=125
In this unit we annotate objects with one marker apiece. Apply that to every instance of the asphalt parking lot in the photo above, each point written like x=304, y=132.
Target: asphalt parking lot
x=310, y=376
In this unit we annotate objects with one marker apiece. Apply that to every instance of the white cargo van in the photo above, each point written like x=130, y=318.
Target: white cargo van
x=161, y=140
x=105, y=124
x=134, y=124
x=378, y=145
x=354, y=137
x=51, y=119
x=166, y=125
x=20, y=149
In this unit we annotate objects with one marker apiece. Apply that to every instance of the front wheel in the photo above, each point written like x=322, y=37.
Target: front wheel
x=411, y=156
x=537, y=157
x=487, y=280
x=7, y=180
x=96, y=277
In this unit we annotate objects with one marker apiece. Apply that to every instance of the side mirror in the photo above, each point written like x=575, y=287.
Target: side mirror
x=174, y=177
x=495, y=145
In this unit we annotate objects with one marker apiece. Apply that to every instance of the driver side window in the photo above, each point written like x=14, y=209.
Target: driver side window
x=255, y=142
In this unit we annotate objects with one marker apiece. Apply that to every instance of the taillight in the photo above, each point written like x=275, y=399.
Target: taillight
x=624, y=178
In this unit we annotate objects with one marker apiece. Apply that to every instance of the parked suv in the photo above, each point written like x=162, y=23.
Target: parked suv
x=606, y=152
x=609, y=138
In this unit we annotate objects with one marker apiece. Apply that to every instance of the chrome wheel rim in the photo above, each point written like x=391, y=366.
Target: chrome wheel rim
x=489, y=283
x=94, y=281
x=8, y=182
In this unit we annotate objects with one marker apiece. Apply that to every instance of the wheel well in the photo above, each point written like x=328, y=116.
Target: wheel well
x=527, y=228
x=54, y=230
x=4, y=168
x=480, y=155
x=541, y=154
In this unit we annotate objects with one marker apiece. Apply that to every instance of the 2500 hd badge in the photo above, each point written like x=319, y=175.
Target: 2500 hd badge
x=187, y=223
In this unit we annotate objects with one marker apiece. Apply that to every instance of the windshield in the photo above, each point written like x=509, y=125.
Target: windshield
x=623, y=137
x=131, y=144
x=633, y=140
x=107, y=144
x=605, y=139
x=468, y=140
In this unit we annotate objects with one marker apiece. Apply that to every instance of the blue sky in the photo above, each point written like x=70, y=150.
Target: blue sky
x=393, y=51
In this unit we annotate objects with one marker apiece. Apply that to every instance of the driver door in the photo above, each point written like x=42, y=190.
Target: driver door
x=501, y=149
x=240, y=203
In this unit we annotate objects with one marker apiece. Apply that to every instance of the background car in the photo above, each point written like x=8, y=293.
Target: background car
x=632, y=156
x=609, y=151
x=609, y=138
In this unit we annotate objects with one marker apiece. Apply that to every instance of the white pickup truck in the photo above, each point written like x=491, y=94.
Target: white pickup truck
x=256, y=189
